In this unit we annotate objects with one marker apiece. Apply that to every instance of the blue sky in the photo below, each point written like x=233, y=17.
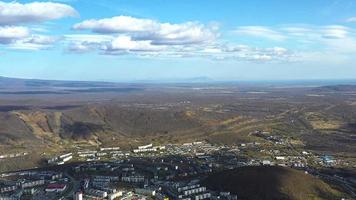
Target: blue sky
x=127, y=40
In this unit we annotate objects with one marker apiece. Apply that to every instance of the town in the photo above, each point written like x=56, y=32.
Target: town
x=171, y=171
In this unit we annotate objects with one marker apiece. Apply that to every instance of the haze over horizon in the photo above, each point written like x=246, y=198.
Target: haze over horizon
x=133, y=40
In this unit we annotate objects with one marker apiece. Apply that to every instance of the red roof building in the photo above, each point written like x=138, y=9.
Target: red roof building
x=55, y=187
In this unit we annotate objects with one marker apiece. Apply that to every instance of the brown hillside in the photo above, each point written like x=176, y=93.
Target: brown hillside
x=271, y=183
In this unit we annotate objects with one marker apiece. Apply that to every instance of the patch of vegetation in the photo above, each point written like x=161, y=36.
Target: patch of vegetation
x=80, y=130
x=271, y=183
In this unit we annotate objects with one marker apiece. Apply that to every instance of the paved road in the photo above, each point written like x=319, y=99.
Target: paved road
x=347, y=186
x=74, y=185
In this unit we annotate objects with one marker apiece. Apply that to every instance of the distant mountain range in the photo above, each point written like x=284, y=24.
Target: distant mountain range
x=202, y=79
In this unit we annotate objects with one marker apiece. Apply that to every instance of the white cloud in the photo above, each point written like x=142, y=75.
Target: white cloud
x=144, y=37
x=39, y=29
x=246, y=53
x=124, y=35
x=262, y=57
x=335, y=39
x=13, y=13
x=10, y=34
x=34, y=42
x=18, y=37
x=260, y=31
x=165, y=40
x=81, y=47
x=41, y=39
x=335, y=32
x=119, y=24
x=315, y=43
x=279, y=50
x=295, y=32
x=351, y=19
x=180, y=34
x=125, y=43
x=83, y=43
x=151, y=30
x=21, y=45
x=88, y=38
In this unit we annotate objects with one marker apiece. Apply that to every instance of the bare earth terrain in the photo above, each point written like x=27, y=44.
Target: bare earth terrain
x=43, y=118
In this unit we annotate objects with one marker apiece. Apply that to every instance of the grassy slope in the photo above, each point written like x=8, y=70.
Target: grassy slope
x=271, y=183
